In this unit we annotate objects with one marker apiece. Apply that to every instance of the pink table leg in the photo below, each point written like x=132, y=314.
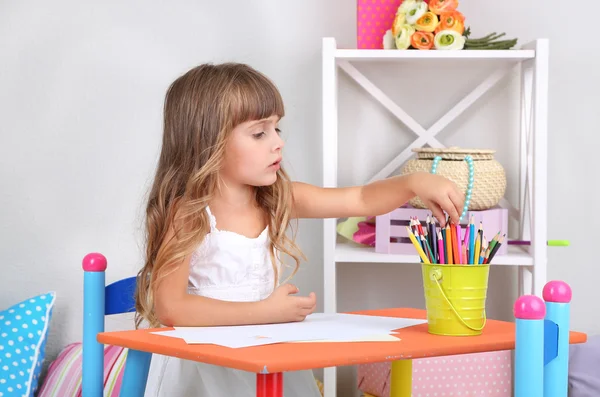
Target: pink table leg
x=269, y=385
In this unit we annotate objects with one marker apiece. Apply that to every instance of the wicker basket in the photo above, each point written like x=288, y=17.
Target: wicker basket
x=489, y=183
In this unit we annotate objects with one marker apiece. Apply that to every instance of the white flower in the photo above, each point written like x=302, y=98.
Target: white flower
x=403, y=37
x=416, y=11
x=449, y=40
x=406, y=6
x=388, y=40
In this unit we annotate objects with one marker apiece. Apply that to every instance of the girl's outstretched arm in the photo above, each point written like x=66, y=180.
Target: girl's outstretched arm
x=376, y=198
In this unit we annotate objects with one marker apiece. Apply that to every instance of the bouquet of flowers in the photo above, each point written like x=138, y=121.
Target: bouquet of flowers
x=436, y=24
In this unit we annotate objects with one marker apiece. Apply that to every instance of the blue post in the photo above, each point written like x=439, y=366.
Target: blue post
x=92, y=382
x=557, y=295
x=136, y=373
x=529, y=311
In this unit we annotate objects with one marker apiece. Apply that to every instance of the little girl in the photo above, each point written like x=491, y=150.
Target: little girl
x=217, y=220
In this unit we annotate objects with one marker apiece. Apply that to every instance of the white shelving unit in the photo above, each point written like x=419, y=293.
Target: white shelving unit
x=532, y=59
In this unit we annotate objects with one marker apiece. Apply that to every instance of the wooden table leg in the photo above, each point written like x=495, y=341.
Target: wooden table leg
x=269, y=385
x=401, y=379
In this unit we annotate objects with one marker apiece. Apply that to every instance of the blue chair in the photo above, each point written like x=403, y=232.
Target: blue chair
x=100, y=300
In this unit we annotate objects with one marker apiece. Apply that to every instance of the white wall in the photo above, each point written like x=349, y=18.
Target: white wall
x=81, y=91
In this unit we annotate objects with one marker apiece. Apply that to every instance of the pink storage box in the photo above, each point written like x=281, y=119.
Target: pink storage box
x=391, y=236
x=374, y=17
x=481, y=374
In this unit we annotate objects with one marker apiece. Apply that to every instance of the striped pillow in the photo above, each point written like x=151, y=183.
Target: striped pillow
x=64, y=374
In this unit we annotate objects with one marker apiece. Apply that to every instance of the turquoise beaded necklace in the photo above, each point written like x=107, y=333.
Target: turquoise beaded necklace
x=469, y=161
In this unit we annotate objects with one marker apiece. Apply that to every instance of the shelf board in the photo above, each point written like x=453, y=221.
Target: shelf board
x=516, y=256
x=382, y=55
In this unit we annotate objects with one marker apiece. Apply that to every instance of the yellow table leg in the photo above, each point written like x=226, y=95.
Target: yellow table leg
x=401, y=379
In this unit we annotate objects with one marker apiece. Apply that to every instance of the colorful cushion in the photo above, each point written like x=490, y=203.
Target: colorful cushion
x=23, y=334
x=64, y=374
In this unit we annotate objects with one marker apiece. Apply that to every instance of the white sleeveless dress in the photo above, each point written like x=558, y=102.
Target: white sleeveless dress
x=231, y=267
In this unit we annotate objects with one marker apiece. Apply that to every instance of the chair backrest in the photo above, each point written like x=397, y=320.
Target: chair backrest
x=119, y=297
x=100, y=300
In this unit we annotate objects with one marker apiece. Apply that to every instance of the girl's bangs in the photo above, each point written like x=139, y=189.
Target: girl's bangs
x=255, y=98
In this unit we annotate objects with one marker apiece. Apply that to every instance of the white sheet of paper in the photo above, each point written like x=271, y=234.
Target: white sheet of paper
x=390, y=323
x=333, y=327
x=237, y=341
x=314, y=325
x=234, y=341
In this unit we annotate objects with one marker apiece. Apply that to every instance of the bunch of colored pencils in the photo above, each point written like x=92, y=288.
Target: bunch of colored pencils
x=448, y=245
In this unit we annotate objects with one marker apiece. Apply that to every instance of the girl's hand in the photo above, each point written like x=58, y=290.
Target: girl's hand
x=438, y=194
x=283, y=307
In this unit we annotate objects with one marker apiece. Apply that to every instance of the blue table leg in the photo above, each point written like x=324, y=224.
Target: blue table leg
x=136, y=373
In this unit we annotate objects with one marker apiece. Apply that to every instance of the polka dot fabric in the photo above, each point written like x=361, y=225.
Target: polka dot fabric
x=481, y=374
x=23, y=334
x=374, y=17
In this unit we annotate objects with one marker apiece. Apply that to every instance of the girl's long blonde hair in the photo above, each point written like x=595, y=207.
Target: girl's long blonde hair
x=201, y=108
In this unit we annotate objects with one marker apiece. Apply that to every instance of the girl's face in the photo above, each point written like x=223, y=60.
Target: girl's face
x=253, y=153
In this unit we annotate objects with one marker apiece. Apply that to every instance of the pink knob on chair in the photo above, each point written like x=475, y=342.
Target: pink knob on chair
x=557, y=292
x=530, y=307
x=94, y=262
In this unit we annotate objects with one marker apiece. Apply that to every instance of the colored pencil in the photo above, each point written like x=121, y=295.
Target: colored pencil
x=491, y=247
x=427, y=230
x=413, y=225
x=419, y=227
x=448, y=245
x=472, y=240
x=466, y=244
x=421, y=239
x=448, y=239
x=466, y=239
x=484, y=246
x=459, y=243
x=428, y=248
x=433, y=234
x=447, y=252
x=441, y=247
x=477, y=246
x=496, y=247
x=417, y=246
x=414, y=222
x=427, y=234
x=424, y=238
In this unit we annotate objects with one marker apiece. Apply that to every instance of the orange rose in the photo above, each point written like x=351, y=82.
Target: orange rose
x=428, y=22
x=452, y=20
x=441, y=6
x=422, y=40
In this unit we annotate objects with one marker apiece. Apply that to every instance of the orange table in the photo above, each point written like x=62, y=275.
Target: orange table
x=270, y=361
